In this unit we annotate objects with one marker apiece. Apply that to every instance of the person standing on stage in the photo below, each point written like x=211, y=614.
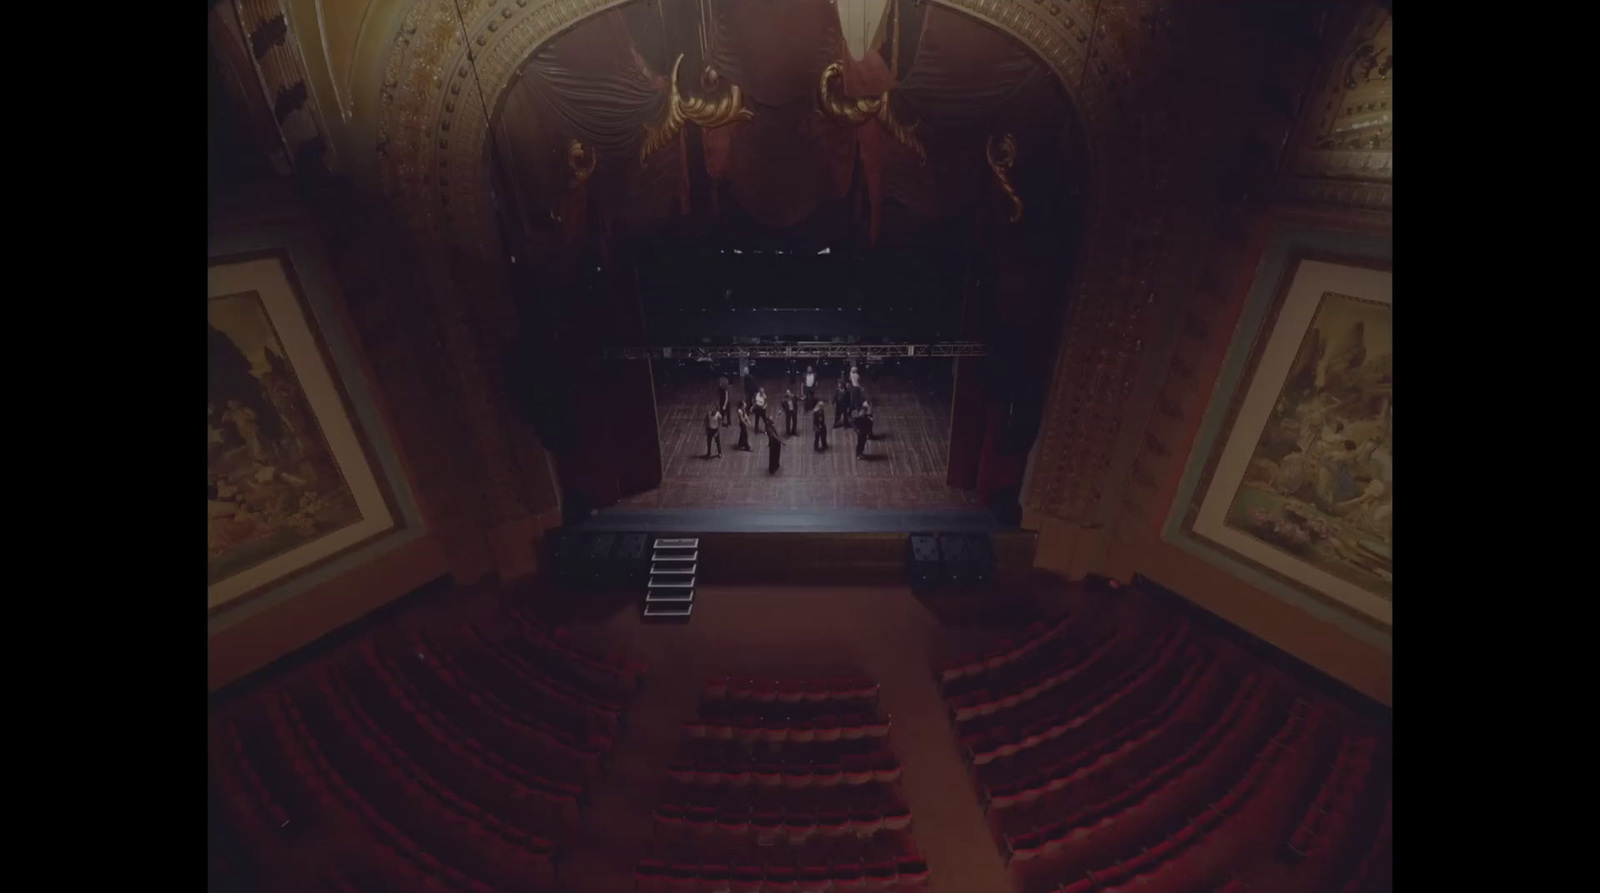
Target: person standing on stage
x=744, y=429
x=841, y=405
x=774, y=446
x=811, y=388
x=819, y=424
x=790, y=410
x=722, y=398
x=855, y=377
x=761, y=410
x=714, y=430
x=861, y=425
x=749, y=385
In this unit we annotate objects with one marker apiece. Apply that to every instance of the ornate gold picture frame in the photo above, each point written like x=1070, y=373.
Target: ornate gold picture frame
x=1292, y=477
x=292, y=482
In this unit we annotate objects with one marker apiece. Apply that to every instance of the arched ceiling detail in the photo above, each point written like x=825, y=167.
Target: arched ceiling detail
x=1111, y=56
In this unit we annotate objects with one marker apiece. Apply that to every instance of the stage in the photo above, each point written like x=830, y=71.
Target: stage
x=904, y=470
x=816, y=546
x=689, y=522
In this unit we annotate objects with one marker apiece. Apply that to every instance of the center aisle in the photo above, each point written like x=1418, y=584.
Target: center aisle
x=882, y=631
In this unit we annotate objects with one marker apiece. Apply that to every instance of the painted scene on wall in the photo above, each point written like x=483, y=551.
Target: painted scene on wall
x=1320, y=482
x=273, y=482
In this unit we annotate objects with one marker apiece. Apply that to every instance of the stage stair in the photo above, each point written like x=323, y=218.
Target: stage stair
x=674, y=564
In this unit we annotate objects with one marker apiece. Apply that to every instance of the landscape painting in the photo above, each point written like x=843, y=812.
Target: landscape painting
x=1297, y=485
x=273, y=482
x=1320, y=482
x=291, y=480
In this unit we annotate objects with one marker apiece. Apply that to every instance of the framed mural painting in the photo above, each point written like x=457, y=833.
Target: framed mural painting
x=1298, y=479
x=291, y=480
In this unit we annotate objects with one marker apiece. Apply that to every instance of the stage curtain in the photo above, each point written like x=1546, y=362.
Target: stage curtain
x=968, y=418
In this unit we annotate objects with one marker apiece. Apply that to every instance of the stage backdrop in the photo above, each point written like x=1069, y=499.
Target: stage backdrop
x=1291, y=480
x=291, y=477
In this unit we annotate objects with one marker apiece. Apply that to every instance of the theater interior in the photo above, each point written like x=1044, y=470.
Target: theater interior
x=1065, y=563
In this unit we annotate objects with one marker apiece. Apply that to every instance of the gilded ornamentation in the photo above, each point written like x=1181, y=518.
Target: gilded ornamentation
x=276, y=55
x=705, y=111
x=861, y=109
x=1002, y=158
x=1346, y=157
x=581, y=161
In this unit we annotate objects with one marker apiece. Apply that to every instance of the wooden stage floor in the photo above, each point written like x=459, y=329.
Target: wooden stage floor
x=905, y=468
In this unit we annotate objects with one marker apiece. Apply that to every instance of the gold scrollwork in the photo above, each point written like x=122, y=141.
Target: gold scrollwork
x=858, y=110
x=1002, y=156
x=581, y=161
x=704, y=110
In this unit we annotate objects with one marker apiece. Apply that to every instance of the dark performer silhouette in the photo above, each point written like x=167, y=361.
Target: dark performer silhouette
x=744, y=429
x=819, y=424
x=774, y=446
x=790, y=410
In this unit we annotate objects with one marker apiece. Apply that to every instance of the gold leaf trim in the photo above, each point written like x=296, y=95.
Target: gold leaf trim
x=1002, y=158
x=859, y=110
x=706, y=111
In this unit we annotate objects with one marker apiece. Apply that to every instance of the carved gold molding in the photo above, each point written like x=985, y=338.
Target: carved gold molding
x=1002, y=155
x=856, y=111
x=581, y=160
x=274, y=51
x=1346, y=155
x=707, y=110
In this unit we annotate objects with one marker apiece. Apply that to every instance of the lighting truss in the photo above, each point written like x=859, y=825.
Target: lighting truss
x=803, y=350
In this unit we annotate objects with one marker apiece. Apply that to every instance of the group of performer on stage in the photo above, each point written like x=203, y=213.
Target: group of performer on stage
x=850, y=409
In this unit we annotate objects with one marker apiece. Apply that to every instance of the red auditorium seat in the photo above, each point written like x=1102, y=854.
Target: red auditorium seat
x=683, y=878
x=781, y=879
x=716, y=878
x=882, y=875
x=833, y=823
x=814, y=879
x=848, y=877
x=748, y=879
x=650, y=876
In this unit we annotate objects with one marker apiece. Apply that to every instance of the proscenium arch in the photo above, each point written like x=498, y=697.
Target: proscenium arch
x=433, y=136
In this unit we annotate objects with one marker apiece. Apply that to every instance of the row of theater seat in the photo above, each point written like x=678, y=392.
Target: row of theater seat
x=1336, y=800
x=1004, y=654
x=1088, y=741
x=403, y=773
x=850, y=769
x=994, y=698
x=396, y=855
x=908, y=872
x=613, y=670
x=1068, y=695
x=564, y=797
x=566, y=749
x=768, y=827
x=1180, y=705
x=794, y=774
x=818, y=690
x=1038, y=728
x=750, y=729
x=1371, y=866
x=1151, y=868
x=419, y=768
x=597, y=713
x=1106, y=811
